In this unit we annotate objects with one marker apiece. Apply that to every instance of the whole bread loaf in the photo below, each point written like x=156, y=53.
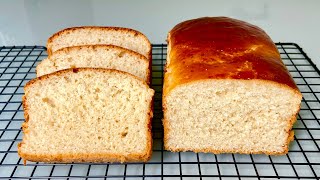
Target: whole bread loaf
x=97, y=56
x=90, y=35
x=87, y=115
x=226, y=90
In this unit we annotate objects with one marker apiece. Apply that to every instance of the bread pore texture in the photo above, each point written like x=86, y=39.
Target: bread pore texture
x=87, y=115
x=230, y=116
x=91, y=35
x=226, y=90
x=97, y=56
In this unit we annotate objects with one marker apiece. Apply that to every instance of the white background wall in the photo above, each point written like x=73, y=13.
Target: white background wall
x=32, y=22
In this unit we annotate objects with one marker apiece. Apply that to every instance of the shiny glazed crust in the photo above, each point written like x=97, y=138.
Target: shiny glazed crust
x=213, y=48
x=102, y=28
x=222, y=48
x=79, y=157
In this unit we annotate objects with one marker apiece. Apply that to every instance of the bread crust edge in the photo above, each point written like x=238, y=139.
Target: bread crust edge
x=55, y=35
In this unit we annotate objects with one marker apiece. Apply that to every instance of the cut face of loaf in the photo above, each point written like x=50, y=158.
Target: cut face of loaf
x=90, y=35
x=97, y=56
x=87, y=115
x=226, y=90
x=230, y=116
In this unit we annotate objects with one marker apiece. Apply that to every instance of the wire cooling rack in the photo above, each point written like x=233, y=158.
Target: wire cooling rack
x=17, y=66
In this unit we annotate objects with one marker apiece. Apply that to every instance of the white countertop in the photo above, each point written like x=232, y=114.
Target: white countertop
x=32, y=22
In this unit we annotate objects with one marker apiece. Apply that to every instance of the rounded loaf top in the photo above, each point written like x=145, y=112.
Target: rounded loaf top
x=222, y=48
x=220, y=33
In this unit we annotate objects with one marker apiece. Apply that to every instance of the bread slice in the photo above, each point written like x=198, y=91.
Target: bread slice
x=97, y=56
x=87, y=115
x=90, y=35
x=226, y=90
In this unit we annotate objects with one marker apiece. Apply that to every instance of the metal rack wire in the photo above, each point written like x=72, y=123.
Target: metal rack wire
x=17, y=66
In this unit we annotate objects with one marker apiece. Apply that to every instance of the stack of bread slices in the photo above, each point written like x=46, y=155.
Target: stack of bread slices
x=91, y=100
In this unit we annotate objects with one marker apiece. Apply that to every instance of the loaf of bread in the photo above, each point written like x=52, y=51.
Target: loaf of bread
x=90, y=35
x=226, y=90
x=87, y=115
x=97, y=56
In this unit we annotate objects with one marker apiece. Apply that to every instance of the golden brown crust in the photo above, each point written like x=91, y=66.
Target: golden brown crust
x=104, y=46
x=222, y=48
x=105, y=28
x=149, y=127
x=94, y=157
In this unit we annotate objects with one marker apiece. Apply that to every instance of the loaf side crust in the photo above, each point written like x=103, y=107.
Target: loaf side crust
x=103, y=157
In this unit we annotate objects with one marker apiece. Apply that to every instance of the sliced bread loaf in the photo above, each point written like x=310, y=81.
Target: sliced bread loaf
x=226, y=90
x=89, y=35
x=97, y=56
x=87, y=115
